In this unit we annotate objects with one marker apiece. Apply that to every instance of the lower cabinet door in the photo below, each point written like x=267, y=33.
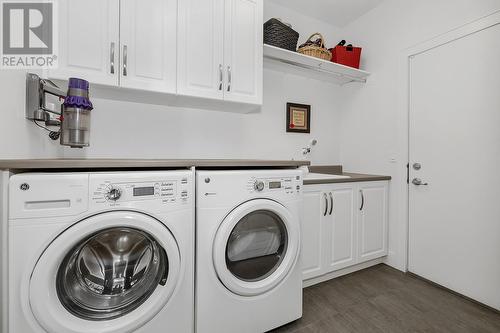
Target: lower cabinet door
x=312, y=231
x=341, y=228
x=372, y=220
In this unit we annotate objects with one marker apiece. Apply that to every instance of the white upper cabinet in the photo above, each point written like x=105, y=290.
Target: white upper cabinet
x=372, y=217
x=148, y=45
x=89, y=51
x=220, y=49
x=200, y=48
x=206, y=49
x=243, y=51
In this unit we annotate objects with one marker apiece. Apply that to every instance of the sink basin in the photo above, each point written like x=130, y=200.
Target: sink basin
x=322, y=176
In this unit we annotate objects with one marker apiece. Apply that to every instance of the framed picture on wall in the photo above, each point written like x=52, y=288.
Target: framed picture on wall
x=298, y=118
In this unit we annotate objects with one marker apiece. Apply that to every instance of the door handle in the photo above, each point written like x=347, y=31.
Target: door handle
x=112, y=58
x=124, y=60
x=331, y=203
x=362, y=200
x=221, y=78
x=326, y=204
x=418, y=182
x=229, y=78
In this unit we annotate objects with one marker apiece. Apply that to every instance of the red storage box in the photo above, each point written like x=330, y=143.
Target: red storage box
x=346, y=55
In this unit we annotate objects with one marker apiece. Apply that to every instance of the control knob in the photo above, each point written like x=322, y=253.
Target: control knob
x=113, y=194
x=258, y=185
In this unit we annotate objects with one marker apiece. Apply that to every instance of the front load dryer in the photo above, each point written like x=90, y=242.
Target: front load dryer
x=248, y=277
x=101, y=252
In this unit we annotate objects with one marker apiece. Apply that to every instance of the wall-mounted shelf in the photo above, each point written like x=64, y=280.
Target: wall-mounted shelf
x=296, y=63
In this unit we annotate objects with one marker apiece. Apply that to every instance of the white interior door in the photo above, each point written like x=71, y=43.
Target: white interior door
x=243, y=50
x=454, y=231
x=200, y=48
x=88, y=51
x=148, y=44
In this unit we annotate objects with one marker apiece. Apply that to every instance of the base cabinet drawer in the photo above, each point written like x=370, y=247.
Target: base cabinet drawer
x=343, y=225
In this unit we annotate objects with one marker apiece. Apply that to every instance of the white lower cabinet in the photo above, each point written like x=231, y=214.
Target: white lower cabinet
x=341, y=228
x=372, y=221
x=343, y=225
x=313, y=232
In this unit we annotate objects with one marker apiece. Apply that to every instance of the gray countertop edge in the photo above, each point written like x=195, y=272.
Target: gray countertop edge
x=47, y=164
x=355, y=177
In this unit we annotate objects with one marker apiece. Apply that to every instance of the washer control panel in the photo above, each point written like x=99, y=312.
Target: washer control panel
x=162, y=191
x=288, y=185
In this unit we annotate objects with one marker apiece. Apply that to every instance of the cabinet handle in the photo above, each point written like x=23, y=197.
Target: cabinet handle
x=229, y=78
x=362, y=200
x=326, y=204
x=124, y=60
x=112, y=58
x=331, y=203
x=221, y=78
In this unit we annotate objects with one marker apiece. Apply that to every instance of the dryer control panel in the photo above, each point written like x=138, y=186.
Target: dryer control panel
x=288, y=185
x=229, y=188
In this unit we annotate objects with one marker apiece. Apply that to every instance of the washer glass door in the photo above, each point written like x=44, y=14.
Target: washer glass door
x=110, y=273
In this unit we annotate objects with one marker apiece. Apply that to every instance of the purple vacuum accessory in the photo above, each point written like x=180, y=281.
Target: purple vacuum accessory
x=78, y=94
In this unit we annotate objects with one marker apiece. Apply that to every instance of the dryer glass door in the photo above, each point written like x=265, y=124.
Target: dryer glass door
x=111, y=273
x=256, y=245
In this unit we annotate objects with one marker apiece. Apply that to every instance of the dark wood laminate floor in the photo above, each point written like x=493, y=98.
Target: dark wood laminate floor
x=382, y=299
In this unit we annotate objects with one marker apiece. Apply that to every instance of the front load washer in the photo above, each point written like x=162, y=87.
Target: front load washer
x=101, y=252
x=248, y=277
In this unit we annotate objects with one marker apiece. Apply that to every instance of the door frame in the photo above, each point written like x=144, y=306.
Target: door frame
x=405, y=103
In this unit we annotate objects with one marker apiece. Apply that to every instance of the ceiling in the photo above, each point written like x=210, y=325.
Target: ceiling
x=335, y=12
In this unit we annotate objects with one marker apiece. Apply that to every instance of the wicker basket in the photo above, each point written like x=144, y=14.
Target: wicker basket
x=311, y=48
x=278, y=34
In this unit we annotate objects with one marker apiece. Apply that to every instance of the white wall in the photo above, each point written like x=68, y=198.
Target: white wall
x=18, y=137
x=123, y=129
x=373, y=127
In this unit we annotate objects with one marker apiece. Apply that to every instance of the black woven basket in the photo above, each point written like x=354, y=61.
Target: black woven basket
x=280, y=35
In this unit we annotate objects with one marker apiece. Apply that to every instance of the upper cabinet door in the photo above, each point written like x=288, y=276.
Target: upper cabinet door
x=88, y=50
x=373, y=218
x=200, y=48
x=148, y=45
x=243, y=51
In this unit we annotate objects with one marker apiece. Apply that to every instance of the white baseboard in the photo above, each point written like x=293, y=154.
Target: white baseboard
x=340, y=272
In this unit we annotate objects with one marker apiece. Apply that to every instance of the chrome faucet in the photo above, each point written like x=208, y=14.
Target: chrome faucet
x=308, y=149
